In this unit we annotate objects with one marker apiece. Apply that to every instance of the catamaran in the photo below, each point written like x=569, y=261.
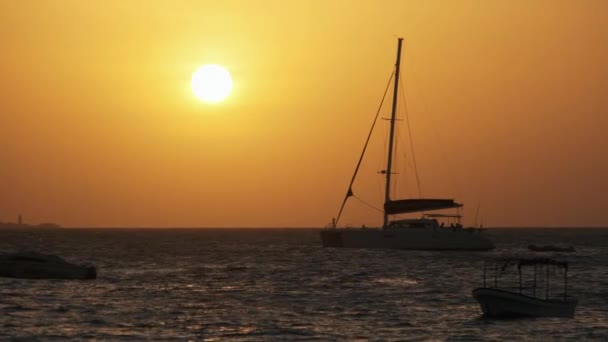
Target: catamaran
x=422, y=233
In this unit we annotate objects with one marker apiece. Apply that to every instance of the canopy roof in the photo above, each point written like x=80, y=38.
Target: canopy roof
x=519, y=262
x=418, y=204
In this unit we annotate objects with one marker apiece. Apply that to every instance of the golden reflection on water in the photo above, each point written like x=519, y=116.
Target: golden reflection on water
x=397, y=281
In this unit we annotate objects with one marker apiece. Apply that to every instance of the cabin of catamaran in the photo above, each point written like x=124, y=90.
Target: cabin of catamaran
x=424, y=233
x=434, y=221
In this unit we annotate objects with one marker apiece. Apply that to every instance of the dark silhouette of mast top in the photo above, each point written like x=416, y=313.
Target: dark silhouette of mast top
x=387, y=193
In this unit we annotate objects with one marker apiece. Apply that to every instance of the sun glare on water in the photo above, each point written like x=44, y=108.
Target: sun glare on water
x=211, y=83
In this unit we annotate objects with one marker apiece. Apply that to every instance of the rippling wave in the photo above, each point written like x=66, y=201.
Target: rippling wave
x=279, y=284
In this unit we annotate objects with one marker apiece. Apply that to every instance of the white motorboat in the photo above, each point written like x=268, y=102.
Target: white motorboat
x=551, y=248
x=33, y=265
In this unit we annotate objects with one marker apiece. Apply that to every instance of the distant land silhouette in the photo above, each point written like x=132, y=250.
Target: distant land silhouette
x=21, y=225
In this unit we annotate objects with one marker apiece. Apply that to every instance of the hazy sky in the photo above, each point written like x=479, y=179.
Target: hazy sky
x=507, y=101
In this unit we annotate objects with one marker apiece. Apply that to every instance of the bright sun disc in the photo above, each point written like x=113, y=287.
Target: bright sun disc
x=211, y=83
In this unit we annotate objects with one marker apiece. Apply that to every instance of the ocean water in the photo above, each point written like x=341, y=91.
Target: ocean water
x=280, y=285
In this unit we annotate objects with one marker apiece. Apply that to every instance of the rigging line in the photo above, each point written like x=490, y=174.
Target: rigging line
x=477, y=213
x=396, y=161
x=367, y=204
x=403, y=165
x=446, y=159
x=349, y=192
x=382, y=164
x=409, y=131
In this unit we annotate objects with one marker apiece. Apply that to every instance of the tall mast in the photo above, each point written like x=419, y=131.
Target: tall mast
x=387, y=192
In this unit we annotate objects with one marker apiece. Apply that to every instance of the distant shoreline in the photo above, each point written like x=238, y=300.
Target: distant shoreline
x=10, y=225
x=44, y=227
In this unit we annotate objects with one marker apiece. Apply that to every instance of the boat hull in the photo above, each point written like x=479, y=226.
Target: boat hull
x=38, y=266
x=404, y=238
x=501, y=303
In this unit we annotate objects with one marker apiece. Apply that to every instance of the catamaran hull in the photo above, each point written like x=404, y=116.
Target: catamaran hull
x=501, y=303
x=415, y=239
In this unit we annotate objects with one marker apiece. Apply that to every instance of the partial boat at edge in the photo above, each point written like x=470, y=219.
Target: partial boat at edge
x=32, y=265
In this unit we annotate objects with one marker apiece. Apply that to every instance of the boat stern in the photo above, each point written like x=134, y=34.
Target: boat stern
x=331, y=238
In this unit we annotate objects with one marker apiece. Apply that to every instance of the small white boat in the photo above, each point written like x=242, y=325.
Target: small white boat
x=33, y=265
x=550, y=248
x=497, y=302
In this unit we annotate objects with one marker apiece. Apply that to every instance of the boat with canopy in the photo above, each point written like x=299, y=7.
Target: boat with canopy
x=503, y=298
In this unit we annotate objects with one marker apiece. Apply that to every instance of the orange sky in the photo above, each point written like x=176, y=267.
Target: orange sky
x=98, y=126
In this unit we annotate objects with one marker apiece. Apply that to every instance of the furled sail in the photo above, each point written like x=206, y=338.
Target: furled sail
x=418, y=204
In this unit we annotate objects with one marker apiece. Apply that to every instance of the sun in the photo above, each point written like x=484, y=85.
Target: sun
x=211, y=83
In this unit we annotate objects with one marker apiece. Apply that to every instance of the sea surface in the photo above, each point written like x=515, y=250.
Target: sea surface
x=281, y=285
